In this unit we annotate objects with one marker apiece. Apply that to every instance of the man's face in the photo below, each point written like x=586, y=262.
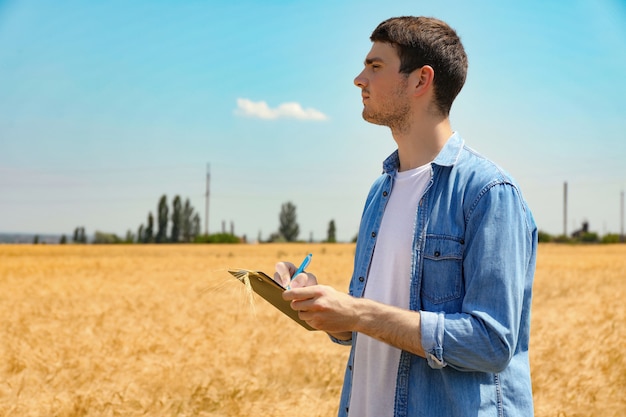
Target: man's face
x=383, y=88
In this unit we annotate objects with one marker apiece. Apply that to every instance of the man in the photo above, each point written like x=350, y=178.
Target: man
x=438, y=312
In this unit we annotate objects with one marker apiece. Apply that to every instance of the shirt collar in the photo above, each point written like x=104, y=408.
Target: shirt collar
x=448, y=155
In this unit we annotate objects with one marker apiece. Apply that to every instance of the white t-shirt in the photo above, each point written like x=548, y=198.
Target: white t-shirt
x=388, y=281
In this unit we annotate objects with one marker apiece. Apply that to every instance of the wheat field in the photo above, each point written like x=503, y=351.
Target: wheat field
x=164, y=330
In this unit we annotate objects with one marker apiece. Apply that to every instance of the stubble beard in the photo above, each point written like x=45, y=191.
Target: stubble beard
x=396, y=120
x=393, y=112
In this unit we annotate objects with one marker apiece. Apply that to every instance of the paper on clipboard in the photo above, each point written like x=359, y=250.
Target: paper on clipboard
x=270, y=290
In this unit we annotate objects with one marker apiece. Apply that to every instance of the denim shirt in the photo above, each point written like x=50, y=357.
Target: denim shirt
x=474, y=253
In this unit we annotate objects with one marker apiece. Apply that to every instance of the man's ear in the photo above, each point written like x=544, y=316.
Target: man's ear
x=422, y=80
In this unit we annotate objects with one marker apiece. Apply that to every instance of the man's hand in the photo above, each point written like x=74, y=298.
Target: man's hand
x=340, y=314
x=324, y=308
x=306, y=297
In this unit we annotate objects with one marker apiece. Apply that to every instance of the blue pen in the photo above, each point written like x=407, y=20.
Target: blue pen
x=303, y=265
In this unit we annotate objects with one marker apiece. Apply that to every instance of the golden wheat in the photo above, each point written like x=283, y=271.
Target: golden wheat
x=166, y=331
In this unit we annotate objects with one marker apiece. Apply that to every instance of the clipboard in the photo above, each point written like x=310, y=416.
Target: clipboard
x=271, y=291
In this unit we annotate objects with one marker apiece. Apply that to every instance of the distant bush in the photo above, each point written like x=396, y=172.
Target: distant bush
x=611, y=238
x=562, y=239
x=276, y=238
x=106, y=238
x=589, y=237
x=217, y=238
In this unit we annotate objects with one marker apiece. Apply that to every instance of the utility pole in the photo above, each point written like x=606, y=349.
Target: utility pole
x=565, y=209
x=206, y=204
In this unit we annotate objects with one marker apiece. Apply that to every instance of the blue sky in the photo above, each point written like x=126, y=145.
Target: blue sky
x=106, y=106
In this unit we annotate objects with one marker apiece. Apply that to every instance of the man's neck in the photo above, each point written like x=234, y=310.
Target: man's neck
x=422, y=142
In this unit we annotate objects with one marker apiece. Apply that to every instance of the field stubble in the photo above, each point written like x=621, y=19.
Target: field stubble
x=166, y=331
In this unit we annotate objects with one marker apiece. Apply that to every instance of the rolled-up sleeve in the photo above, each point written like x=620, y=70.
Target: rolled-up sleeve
x=340, y=341
x=432, y=327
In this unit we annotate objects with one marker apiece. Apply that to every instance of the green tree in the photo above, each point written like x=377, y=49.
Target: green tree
x=148, y=233
x=177, y=219
x=195, y=227
x=140, y=234
x=63, y=240
x=79, y=235
x=187, y=222
x=332, y=232
x=288, y=227
x=162, y=219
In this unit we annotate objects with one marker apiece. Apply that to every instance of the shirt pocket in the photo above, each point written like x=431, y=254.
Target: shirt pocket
x=442, y=277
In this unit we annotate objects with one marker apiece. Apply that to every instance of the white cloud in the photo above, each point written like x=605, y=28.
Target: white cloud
x=291, y=110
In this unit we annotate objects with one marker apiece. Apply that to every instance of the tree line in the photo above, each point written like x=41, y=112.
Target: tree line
x=180, y=223
x=185, y=227
x=185, y=223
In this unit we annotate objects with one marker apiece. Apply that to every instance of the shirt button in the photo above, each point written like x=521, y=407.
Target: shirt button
x=361, y=279
x=437, y=253
x=373, y=234
x=385, y=193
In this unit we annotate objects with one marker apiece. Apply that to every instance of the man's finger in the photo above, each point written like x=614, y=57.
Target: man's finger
x=300, y=281
x=302, y=293
x=282, y=274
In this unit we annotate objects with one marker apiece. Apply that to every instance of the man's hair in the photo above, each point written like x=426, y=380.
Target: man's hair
x=423, y=41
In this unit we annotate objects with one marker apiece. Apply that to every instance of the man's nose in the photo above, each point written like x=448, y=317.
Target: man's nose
x=360, y=81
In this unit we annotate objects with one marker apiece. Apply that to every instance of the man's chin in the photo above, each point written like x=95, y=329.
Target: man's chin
x=370, y=118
